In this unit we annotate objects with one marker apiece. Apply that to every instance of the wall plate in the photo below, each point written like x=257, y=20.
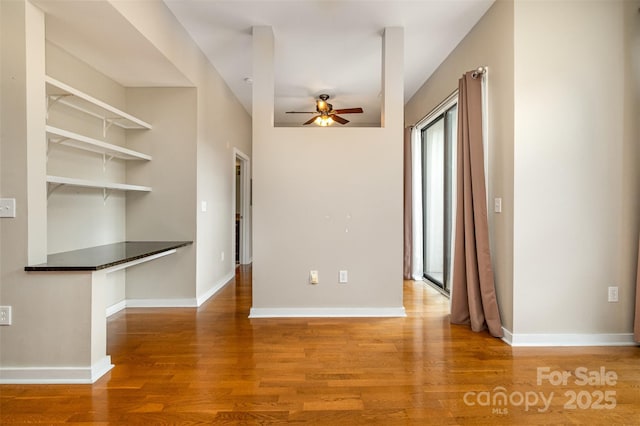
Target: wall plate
x=7, y=207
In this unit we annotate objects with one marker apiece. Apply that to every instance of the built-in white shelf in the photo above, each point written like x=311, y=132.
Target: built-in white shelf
x=60, y=180
x=75, y=140
x=60, y=92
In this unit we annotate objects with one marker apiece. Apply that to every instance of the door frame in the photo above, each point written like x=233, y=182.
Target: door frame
x=245, y=205
x=450, y=199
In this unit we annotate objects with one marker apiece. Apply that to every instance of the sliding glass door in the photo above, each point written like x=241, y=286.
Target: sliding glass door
x=438, y=148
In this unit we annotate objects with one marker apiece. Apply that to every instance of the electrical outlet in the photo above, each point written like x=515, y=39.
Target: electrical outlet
x=7, y=207
x=613, y=294
x=5, y=315
x=344, y=277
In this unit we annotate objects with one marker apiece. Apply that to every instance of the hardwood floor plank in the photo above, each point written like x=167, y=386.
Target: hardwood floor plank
x=213, y=365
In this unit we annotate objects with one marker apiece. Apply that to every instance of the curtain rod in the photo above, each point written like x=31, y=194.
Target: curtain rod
x=479, y=72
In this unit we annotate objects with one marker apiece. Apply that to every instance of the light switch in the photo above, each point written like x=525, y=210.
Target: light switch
x=497, y=205
x=7, y=207
x=203, y=206
x=313, y=277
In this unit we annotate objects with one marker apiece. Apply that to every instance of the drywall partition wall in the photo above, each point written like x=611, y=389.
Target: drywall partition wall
x=489, y=43
x=570, y=180
x=166, y=213
x=630, y=221
x=34, y=347
x=327, y=199
x=33, y=344
x=222, y=124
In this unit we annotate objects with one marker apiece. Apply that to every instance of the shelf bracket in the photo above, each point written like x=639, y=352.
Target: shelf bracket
x=52, y=188
x=106, y=125
x=105, y=160
x=52, y=99
x=56, y=141
x=105, y=195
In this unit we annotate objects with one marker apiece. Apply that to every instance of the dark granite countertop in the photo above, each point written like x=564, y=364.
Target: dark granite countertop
x=101, y=257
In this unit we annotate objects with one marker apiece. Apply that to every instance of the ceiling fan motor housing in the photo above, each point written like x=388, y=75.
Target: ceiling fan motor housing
x=322, y=106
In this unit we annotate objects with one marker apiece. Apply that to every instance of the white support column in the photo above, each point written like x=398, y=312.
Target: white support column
x=100, y=361
x=36, y=112
x=263, y=79
x=393, y=77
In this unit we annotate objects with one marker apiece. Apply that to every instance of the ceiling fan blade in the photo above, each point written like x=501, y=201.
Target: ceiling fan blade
x=311, y=120
x=339, y=119
x=348, y=111
x=300, y=112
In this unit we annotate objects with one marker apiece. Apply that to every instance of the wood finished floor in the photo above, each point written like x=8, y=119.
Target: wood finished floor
x=213, y=365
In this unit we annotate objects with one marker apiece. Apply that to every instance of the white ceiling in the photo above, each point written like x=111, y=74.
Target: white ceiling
x=96, y=33
x=321, y=46
x=327, y=46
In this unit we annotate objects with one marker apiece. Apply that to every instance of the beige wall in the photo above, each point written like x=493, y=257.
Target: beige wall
x=563, y=155
x=168, y=212
x=222, y=124
x=630, y=222
x=490, y=43
x=327, y=199
x=79, y=217
x=33, y=338
x=194, y=161
x=575, y=194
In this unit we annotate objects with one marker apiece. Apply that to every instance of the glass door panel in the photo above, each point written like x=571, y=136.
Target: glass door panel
x=438, y=160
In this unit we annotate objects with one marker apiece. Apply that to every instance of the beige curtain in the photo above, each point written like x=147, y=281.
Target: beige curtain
x=473, y=296
x=636, y=326
x=408, y=220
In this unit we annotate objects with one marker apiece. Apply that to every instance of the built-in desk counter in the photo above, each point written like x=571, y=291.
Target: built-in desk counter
x=97, y=258
x=81, y=276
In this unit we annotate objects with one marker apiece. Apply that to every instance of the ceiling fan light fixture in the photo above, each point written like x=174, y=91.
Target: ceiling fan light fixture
x=326, y=114
x=324, y=121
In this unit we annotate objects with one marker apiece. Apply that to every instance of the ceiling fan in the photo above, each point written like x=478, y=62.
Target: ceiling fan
x=326, y=114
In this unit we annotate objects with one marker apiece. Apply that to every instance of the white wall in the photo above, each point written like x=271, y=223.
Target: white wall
x=327, y=199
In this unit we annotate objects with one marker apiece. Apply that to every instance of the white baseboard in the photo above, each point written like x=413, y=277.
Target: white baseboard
x=150, y=303
x=507, y=336
x=170, y=303
x=568, y=339
x=326, y=312
x=216, y=288
x=55, y=375
x=114, y=309
x=161, y=303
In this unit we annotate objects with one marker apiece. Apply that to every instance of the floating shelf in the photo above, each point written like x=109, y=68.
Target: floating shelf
x=86, y=143
x=93, y=184
x=74, y=98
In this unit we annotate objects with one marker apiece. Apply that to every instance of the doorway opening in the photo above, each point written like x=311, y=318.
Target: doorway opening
x=241, y=208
